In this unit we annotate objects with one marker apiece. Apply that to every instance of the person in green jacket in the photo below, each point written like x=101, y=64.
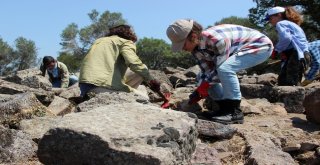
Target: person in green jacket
x=107, y=62
x=58, y=73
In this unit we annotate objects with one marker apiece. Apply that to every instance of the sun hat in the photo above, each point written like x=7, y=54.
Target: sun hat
x=178, y=32
x=274, y=10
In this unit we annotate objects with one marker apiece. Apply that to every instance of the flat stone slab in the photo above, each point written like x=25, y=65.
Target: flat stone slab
x=129, y=133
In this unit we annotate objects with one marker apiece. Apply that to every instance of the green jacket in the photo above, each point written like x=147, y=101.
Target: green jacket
x=63, y=74
x=107, y=61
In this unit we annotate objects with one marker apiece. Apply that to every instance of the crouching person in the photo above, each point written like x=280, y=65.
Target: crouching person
x=112, y=64
x=58, y=73
x=313, y=73
x=221, y=51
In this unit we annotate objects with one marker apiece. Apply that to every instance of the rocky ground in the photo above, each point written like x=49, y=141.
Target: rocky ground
x=41, y=125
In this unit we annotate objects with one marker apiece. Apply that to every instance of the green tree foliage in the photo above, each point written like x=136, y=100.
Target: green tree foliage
x=26, y=52
x=153, y=52
x=238, y=21
x=157, y=54
x=309, y=9
x=22, y=56
x=77, y=41
x=73, y=66
x=6, y=56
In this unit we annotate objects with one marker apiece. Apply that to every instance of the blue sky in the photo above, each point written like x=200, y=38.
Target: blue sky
x=43, y=20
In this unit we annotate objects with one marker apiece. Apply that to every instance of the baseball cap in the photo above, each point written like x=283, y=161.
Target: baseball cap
x=178, y=32
x=274, y=10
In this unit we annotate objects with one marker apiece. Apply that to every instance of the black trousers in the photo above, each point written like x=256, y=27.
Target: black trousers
x=293, y=69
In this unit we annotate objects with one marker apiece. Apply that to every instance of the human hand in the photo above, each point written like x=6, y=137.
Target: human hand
x=303, y=64
x=154, y=85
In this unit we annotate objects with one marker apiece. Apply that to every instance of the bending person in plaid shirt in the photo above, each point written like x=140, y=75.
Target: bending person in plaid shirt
x=314, y=49
x=221, y=51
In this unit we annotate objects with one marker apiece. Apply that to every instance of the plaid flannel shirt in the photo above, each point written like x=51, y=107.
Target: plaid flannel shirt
x=220, y=42
x=314, y=49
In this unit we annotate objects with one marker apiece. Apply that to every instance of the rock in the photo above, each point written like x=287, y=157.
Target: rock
x=252, y=91
x=262, y=147
x=23, y=106
x=192, y=71
x=5, y=98
x=61, y=106
x=216, y=130
x=38, y=126
x=309, y=157
x=116, y=134
x=205, y=154
x=267, y=79
x=31, y=78
x=170, y=70
x=45, y=97
x=247, y=108
x=161, y=76
x=291, y=96
x=248, y=80
x=180, y=80
x=312, y=103
x=309, y=145
x=262, y=107
x=108, y=98
x=291, y=147
x=73, y=91
x=15, y=146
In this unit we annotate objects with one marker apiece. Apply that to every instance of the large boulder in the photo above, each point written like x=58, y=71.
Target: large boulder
x=31, y=78
x=120, y=134
x=161, y=76
x=312, y=102
x=262, y=146
x=45, y=97
x=38, y=126
x=291, y=96
x=15, y=146
x=73, y=91
x=23, y=106
x=107, y=98
x=61, y=106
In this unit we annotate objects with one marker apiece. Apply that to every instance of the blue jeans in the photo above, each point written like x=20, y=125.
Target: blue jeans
x=229, y=88
x=85, y=87
x=56, y=83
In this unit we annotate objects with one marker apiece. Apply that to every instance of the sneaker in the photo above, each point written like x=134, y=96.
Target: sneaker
x=231, y=118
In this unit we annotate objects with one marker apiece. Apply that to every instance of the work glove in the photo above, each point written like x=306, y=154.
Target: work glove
x=200, y=93
x=154, y=85
x=274, y=54
x=203, y=89
x=303, y=64
x=306, y=82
